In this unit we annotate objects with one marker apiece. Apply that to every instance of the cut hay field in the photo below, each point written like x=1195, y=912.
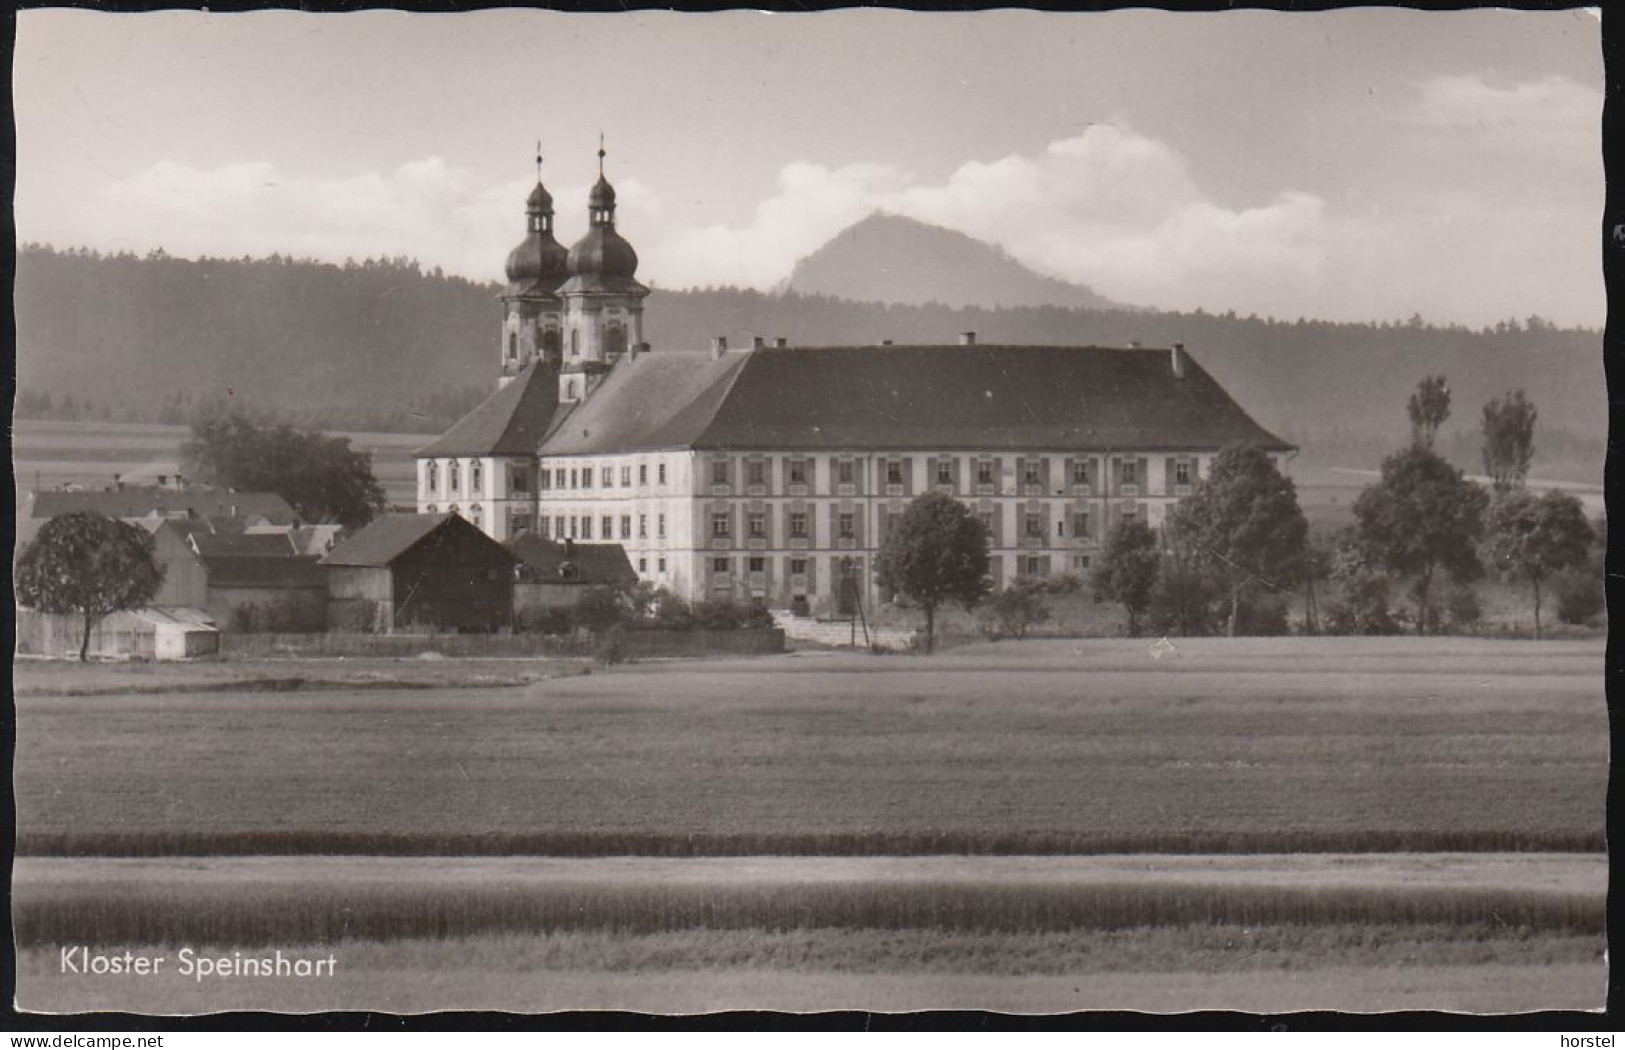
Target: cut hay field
x=1281, y=932
x=1257, y=745
x=1266, y=824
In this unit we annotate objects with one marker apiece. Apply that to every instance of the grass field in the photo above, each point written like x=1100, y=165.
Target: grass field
x=1265, y=745
x=1238, y=754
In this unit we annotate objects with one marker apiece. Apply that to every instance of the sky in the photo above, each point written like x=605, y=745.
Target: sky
x=1349, y=165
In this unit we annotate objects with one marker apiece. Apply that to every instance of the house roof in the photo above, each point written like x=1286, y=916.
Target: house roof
x=232, y=570
x=637, y=399
x=388, y=537
x=139, y=503
x=511, y=422
x=244, y=544
x=605, y=563
x=908, y=397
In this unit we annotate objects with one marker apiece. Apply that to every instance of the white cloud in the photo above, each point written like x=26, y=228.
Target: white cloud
x=1554, y=118
x=426, y=208
x=1111, y=208
x=813, y=204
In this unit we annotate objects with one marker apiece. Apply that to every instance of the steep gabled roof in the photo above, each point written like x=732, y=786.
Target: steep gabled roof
x=229, y=570
x=909, y=397
x=595, y=563
x=511, y=422
x=392, y=535
x=638, y=399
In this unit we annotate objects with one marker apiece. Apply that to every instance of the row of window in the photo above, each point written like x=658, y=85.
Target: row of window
x=518, y=478
x=563, y=478
x=580, y=526
x=798, y=470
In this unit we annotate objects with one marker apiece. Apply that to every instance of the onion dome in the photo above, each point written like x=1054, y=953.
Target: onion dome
x=539, y=263
x=540, y=201
x=602, y=196
x=603, y=253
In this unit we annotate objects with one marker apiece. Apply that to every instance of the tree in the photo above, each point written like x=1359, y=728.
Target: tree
x=1421, y=518
x=1243, y=525
x=1534, y=538
x=88, y=564
x=1429, y=407
x=937, y=553
x=1128, y=569
x=321, y=477
x=1509, y=439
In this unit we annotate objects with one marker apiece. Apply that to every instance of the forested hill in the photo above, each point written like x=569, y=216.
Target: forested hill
x=383, y=345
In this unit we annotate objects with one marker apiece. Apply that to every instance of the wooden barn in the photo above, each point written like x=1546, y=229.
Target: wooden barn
x=419, y=571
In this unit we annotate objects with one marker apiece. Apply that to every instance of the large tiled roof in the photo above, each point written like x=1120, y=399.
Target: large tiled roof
x=638, y=398
x=235, y=570
x=909, y=397
x=511, y=422
x=388, y=537
x=600, y=563
x=138, y=503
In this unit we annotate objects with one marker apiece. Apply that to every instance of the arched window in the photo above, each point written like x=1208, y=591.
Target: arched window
x=550, y=340
x=477, y=514
x=455, y=509
x=430, y=477
x=513, y=345
x=451, y=479
x=575, y=342
x=475, y=479
x=614, y=339
x=431, y=509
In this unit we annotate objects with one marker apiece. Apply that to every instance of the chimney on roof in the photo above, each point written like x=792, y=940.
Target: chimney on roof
x=1176, y=357
x=635, y=349
x=118, y=482
x=1133, y=344
x=757, y=342
x=781, y=342
x=719, y=346
x=885, y=342
x=967, y=338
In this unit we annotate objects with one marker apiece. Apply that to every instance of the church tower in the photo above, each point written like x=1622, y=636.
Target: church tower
x=532, y=320
x=603, y=302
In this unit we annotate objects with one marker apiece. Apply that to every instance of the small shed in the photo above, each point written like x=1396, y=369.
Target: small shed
x=432, y=571
x=152, y=634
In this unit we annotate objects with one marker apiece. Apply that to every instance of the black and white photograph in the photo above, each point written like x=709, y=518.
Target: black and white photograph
x=853, y=510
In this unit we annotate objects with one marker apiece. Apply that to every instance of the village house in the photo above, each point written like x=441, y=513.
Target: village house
x=408, y=571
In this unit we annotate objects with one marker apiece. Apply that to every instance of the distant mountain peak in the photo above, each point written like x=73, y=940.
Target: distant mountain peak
x=895, y=259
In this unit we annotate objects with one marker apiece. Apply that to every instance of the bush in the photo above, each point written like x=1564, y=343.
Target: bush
x=542, y=619
x=1363, y=607
x=600, y=609
x=1581, y=598
x=725, y=614
x=1183, y=601
x=672, y=613
x=1462, y=609
x=611, y=647
x=1262, y=616
x=1017, y=608
x=353, y=616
